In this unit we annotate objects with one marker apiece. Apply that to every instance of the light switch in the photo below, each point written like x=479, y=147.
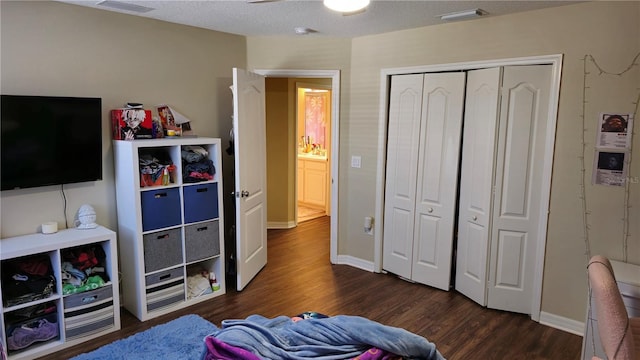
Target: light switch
x=356, y=161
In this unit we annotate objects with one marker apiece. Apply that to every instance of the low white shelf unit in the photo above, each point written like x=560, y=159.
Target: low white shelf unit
x=73, y=318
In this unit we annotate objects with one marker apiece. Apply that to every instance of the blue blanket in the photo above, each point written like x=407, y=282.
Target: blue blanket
x=336, y=337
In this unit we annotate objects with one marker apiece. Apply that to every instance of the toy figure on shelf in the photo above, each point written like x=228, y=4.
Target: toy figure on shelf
x=86, y=218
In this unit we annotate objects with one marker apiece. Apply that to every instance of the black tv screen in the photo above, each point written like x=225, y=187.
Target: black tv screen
x=49, y=140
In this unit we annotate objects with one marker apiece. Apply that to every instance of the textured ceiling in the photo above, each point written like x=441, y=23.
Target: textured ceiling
x=280, y=18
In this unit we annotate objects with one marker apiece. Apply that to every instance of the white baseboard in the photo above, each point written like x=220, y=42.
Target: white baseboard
x=562, y=323
x=355, y=262
x=280, y=225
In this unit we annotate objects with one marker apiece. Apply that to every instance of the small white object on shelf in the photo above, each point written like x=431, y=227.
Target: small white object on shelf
x=86, y=217
x=50, y=227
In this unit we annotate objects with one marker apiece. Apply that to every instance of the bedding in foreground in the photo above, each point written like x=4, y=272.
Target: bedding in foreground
x=327, y=338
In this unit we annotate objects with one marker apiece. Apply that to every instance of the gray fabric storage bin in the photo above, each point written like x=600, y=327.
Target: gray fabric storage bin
x=164, y=288
x=162, y=249
x=88, y=312
x=201, y=240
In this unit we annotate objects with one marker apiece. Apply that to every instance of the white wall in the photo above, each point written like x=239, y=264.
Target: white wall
x=56, y=49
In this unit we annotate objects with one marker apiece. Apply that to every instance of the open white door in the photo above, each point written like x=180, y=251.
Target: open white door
x=250, y=174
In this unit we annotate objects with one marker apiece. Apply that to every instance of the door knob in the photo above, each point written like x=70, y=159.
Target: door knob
x=475, y=218
x=243, y=193
x=430, y=210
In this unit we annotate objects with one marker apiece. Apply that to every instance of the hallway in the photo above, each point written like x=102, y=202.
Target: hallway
x=306, y=213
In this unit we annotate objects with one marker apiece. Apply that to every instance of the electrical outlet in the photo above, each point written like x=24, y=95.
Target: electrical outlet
x=368, y=225
x=356, y=161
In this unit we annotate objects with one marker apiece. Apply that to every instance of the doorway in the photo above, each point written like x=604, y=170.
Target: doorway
x=313, y=148
x=290, y=144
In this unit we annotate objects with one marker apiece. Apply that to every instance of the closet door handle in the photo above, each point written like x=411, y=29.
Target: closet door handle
x=474, y=218
x=430, y=210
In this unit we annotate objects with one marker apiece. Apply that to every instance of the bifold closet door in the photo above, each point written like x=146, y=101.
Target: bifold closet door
x=515, y=227
x=405, y=111
x=501, y=183
x=476, y=182
x=422, y=171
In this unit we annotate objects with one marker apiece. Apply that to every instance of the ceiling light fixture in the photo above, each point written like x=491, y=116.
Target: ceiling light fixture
x=461, y=15
x=346, y=6
x=302, y=30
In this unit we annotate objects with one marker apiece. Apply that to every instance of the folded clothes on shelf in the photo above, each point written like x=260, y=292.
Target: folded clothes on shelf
x=26, y=279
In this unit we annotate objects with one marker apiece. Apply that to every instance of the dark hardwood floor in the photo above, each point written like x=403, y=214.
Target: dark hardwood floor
x=299, y=277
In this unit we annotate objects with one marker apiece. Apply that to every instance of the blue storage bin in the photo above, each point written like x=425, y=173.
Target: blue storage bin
x=200, y=202
x=160, y=209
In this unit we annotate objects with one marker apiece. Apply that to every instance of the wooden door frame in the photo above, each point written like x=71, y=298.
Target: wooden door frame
x=385, y=77
x=334, y=75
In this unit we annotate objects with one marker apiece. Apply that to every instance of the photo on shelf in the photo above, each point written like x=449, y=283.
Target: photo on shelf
x=173, y=122
x=132, y=124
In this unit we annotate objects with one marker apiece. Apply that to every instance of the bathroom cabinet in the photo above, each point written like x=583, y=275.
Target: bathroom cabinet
x=312, y=181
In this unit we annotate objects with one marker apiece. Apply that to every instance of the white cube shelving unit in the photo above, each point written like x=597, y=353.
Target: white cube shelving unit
x=170, y=232
x=79, y=317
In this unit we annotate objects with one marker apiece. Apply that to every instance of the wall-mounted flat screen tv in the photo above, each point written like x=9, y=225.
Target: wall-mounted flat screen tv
x=49, y=140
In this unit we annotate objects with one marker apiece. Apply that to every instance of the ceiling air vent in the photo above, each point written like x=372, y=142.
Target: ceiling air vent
x=124, y=6
x=462, y=15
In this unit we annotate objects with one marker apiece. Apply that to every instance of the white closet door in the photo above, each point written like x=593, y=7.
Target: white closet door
x=437, y=181
x=476, y=182
x=405, y=104
x=516, y=209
